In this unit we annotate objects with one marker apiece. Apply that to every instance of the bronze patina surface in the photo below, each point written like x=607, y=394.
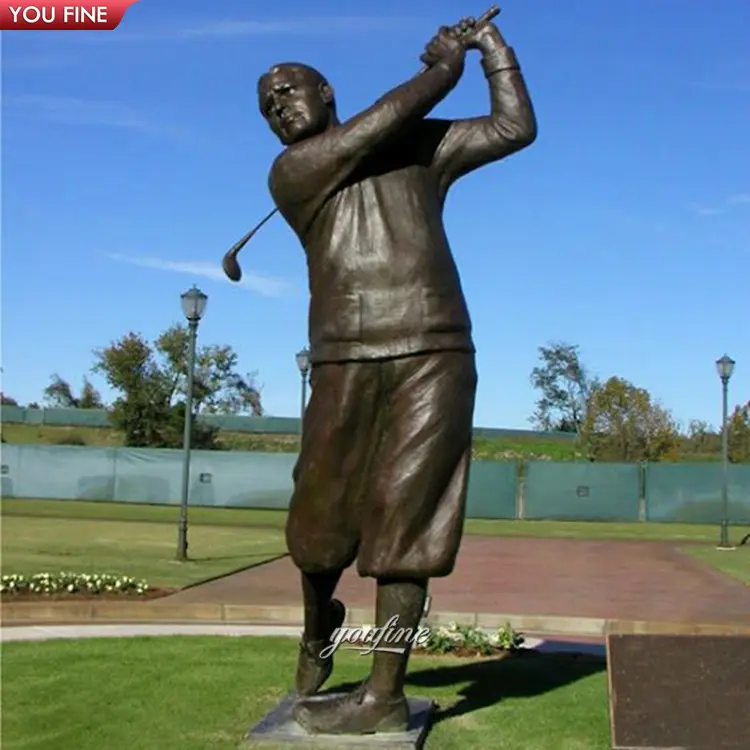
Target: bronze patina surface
x=383, y=468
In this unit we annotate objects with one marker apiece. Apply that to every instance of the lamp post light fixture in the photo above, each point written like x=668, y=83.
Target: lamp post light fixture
x=303, y=363
x=725, y=368
x=193, y=307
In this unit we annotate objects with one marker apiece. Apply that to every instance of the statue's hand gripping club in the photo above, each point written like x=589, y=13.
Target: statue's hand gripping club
x=463, y=33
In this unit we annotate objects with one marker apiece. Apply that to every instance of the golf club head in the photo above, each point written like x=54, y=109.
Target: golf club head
x=230, y=263
x=232, y=267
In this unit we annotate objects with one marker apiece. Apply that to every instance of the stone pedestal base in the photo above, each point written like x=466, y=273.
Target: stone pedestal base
x=679, y=692
x=279, y=729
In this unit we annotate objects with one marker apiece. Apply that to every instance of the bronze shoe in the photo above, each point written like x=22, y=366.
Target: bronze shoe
x=358, y=712
x=312, y=669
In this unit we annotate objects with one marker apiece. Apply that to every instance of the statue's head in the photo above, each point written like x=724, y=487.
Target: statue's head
x=296, y=101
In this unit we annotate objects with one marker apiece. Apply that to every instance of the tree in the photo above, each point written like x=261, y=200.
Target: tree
x=700, y=439
x=59, y=394
x=152, y=383
x=738, y=434
x=565, y=387
x=7, y=400
x=624, y=423
x=218, y=387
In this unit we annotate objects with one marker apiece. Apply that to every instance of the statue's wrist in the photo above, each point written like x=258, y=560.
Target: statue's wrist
x=489, y=39
x=499, y=59
x=452, y=66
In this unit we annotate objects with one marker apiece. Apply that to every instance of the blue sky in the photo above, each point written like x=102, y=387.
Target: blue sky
x=133, y=159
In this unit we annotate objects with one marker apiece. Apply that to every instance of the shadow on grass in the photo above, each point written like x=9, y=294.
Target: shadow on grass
x=263, y=560
x=254, y=559
x=487, y=682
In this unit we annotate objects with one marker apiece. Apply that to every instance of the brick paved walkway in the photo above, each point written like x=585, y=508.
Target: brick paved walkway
x=553, y=577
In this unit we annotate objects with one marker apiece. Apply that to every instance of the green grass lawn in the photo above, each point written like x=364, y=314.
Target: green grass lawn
x=108, y=511
x=67, y=533
x=203, y=693
x=734, y=563
x=238, y=517
x=109, y=438
x=139, y=549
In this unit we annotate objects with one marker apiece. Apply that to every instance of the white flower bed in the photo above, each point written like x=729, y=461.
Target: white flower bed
x=71, y=583
x=454, y=637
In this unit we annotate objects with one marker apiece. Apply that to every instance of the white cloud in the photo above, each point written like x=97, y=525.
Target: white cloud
x=733, y=200
x=303, y=27
x=742, y=86
x=264, y=285
x=704, y=210
x=39, y=62
x=229, y=28
x=69, y=110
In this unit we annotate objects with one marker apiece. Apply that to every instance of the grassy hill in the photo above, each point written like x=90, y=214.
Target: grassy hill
x=510, y=448
x=499, y=445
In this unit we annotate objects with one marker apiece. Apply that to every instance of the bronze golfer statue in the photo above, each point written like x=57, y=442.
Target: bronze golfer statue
x=382, y=473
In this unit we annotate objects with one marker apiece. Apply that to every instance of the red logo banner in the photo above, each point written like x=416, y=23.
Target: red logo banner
x=62, y=15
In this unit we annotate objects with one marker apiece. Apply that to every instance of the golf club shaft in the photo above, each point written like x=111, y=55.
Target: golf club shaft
x=230, y=263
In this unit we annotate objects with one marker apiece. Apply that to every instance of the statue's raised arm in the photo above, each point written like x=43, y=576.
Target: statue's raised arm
x=464, y=145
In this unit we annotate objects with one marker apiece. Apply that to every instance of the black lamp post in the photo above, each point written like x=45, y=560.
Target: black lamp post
x=303, y=363
x=193, y=306
x=725, y=368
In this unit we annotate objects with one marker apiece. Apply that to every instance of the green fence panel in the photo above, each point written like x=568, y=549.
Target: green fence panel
x=140, y=475
x=218, y=479
x=691, y=493
x=57, y=417
x=34, y=416
x=242, y=480
x=12, y=414
x=10, y=460
x=584, y=491
x=492, y=489
x=61, y=472
x=148, y=475
x=77, y=417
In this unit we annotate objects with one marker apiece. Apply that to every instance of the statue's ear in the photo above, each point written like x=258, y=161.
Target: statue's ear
x=326, y=93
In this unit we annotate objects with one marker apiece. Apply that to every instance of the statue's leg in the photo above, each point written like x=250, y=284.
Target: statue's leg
x=404, y=599
x=323, y=528
x=317, y=594
x=379, y=705
x=323, y=614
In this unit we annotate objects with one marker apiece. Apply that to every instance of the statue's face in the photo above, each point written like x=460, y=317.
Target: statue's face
x=296, y=102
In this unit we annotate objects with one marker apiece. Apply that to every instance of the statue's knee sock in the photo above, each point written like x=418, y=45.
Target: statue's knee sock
x=317, y=592
x=406, y=600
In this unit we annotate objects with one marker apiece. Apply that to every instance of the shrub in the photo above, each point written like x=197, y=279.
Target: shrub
x=70, y=440
x=469, y=637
